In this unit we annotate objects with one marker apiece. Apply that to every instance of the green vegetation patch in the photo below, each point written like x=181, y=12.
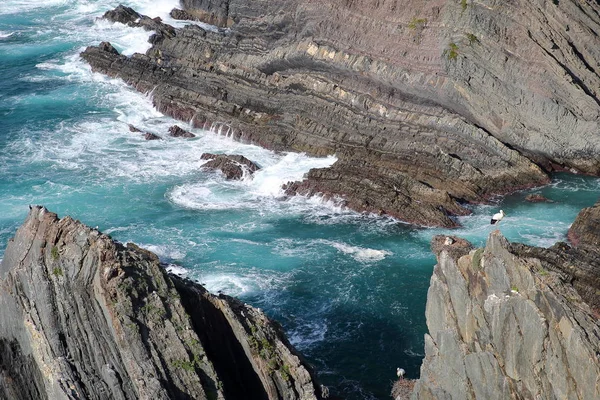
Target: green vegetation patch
x=472, y=39
x=54, y=253
x=452, y=52
x=477, y=258
x=57, y=271
x=417, y=23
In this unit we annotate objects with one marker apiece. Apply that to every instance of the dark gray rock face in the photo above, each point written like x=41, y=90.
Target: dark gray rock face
x=86, y=317
x=233, y=166
x=505, y=322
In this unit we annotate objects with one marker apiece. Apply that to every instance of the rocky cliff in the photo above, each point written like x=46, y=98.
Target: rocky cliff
x=427, y=104
x=510, y=321
x=86, y=317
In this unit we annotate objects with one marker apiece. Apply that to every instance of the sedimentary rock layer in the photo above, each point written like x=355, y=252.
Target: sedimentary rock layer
x=84, y=317
x=505, y=321
x=427, y=105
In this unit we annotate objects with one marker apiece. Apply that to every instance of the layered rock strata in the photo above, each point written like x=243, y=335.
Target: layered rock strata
x=427, y=104
x=86, y=317
x=505, y=321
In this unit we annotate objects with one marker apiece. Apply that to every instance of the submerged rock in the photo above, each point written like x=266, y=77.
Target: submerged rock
x=233, y=166
x=537, y=198
x=505, y=321
x=84, y=316
x=151, y=136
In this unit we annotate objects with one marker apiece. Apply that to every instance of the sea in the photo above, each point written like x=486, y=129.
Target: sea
x=349, y=289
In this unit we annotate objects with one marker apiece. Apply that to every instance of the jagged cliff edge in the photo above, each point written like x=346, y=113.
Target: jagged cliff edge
x=86, y=317
x=514, y=321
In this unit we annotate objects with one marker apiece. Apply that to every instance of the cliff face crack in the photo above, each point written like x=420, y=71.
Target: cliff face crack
x=576, y=80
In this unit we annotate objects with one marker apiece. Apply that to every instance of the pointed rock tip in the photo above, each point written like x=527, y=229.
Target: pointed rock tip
x=496, y=239
x=38, y=212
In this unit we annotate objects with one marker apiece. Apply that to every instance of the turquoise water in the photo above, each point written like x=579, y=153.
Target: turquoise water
x=350, y=290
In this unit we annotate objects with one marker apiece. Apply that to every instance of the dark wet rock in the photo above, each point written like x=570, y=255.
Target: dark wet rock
x=512, y=321
x=130, y=17
x=585, y=231
x=176, y=131
x=364, y=188
x=431, y=95
x=233, y=166
x=107, y=47
x=151, y=136
x=133, y=129
x=537, y=198
x=86, y=317
x=177, y=13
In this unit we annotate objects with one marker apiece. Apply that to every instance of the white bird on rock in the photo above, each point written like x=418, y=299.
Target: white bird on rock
x=496, y=218
x=400, y=372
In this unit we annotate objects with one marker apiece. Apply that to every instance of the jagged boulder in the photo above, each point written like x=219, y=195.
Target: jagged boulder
x=176, y=131
x=130, y=17
x=233, y=166
x=84, y=316
x=503, y=326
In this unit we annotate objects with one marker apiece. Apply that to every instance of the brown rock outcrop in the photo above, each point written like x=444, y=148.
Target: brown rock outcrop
x=537, y=198
x=86, y=317
x=585, y=231
x=233, y=166
x=461, y=98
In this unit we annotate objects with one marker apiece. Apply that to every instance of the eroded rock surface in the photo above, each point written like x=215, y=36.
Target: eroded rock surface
x=505, y=322
x=233, y=166
x=457, y=101
x=86, y=317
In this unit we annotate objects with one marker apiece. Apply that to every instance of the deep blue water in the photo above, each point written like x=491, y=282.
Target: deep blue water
x=350, y=290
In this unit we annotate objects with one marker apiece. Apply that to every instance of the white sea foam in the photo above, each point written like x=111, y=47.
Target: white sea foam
x=165, y=252
x=231, y=284
x=308, y=334
x=360, y=254
x=19, y=6
x=177, y=270
x=4, y=35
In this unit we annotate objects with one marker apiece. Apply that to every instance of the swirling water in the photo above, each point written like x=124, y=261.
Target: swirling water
x=349, y=289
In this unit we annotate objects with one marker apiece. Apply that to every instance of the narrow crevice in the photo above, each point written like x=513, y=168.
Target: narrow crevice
x=576, y=80
x=581, y=57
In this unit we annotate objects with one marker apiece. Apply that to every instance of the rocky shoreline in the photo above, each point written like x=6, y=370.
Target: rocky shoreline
x=417, y=110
